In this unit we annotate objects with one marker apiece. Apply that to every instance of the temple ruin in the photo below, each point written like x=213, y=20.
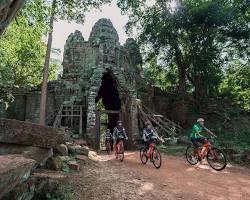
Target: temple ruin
x=97, y=71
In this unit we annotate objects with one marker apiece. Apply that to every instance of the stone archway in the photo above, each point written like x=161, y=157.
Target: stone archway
x=109, y=94
x=128, y=105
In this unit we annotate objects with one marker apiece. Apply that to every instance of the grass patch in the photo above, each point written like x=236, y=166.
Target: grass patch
x=175, y=150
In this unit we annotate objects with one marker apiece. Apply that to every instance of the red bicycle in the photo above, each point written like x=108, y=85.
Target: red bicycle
x=119, y=153
x=151, y=153
x=215, y=157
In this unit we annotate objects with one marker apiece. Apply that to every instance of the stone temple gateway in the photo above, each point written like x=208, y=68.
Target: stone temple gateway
x=100, y=69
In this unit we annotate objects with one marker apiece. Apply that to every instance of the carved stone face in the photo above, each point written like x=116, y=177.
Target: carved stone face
x=103, y=31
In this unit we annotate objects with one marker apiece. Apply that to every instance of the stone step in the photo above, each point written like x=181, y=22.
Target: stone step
x=19, y=132
x=14, y=169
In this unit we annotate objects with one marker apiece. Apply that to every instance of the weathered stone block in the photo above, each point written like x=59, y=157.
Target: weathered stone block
x=14, y=169
x=74, y=165
x=63, y=149
x=40, y=155
x=55, y=163
x=19, y=132
x=80, y=142
x=79, y=149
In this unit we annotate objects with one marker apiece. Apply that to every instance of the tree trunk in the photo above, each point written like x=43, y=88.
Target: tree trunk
x=11, y=8
x=178, y=54
x=46, y=68
x=182, y=89
x=182, y=79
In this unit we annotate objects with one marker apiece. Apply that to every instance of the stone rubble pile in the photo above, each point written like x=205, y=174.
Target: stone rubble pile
x=23, y=148
x=33, y=156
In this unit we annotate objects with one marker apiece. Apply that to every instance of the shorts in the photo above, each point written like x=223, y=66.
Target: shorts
x=151, y=141
x=196, y=142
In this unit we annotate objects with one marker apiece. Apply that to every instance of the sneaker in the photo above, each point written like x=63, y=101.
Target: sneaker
x=194, y=159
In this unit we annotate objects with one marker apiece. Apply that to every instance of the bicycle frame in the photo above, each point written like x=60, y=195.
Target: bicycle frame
x=150, y=150
x=118, y=147
x=207, y=146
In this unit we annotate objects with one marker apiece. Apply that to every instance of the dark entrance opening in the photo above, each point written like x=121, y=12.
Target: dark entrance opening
x=109, y=96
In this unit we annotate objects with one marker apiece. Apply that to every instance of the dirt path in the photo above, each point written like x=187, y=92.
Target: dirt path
x=111, y=179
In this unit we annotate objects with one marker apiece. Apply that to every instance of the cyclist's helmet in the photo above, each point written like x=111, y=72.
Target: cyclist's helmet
x=119, y=122
x=200, y=120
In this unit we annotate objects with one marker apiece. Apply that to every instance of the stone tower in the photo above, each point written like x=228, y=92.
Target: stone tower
x=101, y=68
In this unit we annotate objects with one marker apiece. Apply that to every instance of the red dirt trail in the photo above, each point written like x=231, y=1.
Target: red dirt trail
x=175, y=180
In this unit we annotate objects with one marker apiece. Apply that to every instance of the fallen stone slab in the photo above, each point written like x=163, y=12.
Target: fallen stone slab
x=62, y=149
x=14, y=169
x=48, y=174
x=80, y=142
x=83, y=150
x=74, y=165
x=19, y=132
x=40, y=155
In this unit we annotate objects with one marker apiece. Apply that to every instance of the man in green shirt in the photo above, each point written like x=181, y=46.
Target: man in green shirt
x=197, y=131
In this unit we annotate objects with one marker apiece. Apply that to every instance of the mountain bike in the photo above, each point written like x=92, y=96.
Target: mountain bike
x=215, y=157
x=119, y=153
x=151, y=153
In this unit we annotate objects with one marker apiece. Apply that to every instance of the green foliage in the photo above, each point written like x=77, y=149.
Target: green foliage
x=175, y=150
x=236, y=86
x=195, y=36
x=157, y=75
x=22, y=50
x=21, y=53
x=74, y=10
x=62, y=192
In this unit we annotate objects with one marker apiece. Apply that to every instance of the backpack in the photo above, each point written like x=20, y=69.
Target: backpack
x=146, y=135
x=120, y=133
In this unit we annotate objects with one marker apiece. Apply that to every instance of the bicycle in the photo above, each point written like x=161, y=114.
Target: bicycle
x=151, y=153
x=215, y=157
x=120, y=151
x=108, y=146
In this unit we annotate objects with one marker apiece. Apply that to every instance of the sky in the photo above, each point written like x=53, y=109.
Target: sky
x=62, y=29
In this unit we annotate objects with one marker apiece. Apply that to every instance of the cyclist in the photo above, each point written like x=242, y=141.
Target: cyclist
x=148, y=134
x=196, y=134
x=119, y=134
x=108, y=137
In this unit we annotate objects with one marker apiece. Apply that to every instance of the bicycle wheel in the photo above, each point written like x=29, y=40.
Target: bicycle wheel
x=121, y=153
x=156, y=158
x=108, y=147
x=191, y=155
x=216, y=159
x=143, y=155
